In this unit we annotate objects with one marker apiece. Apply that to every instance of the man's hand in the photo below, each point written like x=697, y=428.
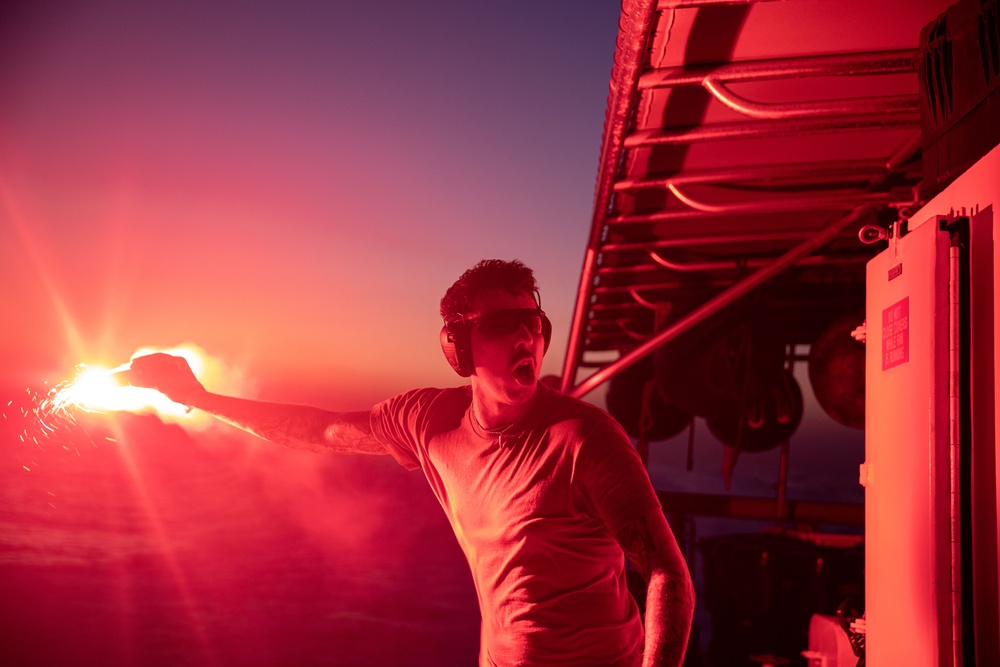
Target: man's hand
x=296, y=426
x=170, y=375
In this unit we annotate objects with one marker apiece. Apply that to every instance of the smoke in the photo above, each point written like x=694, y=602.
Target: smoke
x=216, y=375
x=338, y=503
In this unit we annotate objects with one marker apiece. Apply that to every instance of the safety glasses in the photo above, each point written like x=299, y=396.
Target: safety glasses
x=508, y=320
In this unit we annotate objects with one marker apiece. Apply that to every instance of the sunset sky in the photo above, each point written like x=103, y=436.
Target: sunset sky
x=291, y=186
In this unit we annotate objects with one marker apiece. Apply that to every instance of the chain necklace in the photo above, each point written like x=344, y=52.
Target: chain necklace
x=499, y=433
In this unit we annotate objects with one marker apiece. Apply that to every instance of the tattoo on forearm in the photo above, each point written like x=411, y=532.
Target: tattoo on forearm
x=353, y=436
x=637, y=541
x=301, y=427
x=669, y=612
x=316, y=432
x=290, y=429
x=648, y=543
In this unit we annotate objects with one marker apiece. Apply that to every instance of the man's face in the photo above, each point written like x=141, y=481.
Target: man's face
x=507, y=363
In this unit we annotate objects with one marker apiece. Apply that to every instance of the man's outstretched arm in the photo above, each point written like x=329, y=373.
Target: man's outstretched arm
x=651, y=546
x=296, y=426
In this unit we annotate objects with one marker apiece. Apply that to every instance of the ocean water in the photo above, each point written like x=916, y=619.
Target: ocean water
x=134, y=542
x=128, y=541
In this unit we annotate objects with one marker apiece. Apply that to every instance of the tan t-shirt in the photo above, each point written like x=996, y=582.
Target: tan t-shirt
x=535, y=512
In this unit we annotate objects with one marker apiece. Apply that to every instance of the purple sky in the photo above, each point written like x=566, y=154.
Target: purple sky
x=291, y=186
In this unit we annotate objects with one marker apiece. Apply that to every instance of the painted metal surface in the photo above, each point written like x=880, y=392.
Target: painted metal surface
x=907, y=555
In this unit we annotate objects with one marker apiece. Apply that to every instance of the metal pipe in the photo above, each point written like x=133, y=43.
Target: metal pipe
x=767, y=128
x=632, y=309
x=750, y=507
x=636, y=27
x=634, y=335
x=905, y=152
x=835, y=107
x=798, y=172
x=645, y=303
x=763, y=237
x=690, y=4
x=782, y=500
x=822, y=200
x=719, y=301
x=954, y=448
x=685, y=215
x=722, y=264
x=899, y=61
x=609, y=289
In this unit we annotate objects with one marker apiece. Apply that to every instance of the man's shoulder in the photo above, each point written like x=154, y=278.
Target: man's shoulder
x=428, y=398
x=562, y=407
x=438, y=392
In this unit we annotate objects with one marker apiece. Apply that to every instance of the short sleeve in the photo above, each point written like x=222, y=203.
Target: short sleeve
x=611, y=480
x=397, y=422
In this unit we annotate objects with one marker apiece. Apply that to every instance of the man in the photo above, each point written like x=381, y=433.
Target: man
x=545, y=493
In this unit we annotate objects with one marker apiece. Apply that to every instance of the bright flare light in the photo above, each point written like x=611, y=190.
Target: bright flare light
x=98, y=389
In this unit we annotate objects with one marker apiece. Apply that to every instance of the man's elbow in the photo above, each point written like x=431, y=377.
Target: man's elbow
x=680, y=577
x=686, y=585
x=674, y=582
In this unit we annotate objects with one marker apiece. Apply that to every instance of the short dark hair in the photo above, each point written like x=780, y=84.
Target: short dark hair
x=512, y=276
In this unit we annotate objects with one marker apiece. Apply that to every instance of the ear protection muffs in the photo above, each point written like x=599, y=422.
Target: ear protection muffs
x=457, y=347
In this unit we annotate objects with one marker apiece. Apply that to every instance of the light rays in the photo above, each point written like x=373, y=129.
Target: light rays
x=98, y=389
x=88, y=409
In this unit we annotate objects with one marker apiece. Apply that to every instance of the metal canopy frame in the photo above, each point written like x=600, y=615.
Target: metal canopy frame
x=731, y=165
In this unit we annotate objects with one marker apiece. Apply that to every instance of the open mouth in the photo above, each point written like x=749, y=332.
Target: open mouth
x=524, y=371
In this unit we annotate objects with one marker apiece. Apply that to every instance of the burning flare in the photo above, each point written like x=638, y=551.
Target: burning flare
x=98, y=389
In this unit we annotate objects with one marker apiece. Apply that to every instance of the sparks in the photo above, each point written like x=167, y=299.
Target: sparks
x=83, y=408
x=96, y=389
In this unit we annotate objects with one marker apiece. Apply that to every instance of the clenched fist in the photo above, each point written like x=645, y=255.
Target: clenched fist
x=170, y=375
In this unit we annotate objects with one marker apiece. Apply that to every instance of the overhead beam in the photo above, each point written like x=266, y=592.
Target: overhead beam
x=637, y=23
x=718, y=302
